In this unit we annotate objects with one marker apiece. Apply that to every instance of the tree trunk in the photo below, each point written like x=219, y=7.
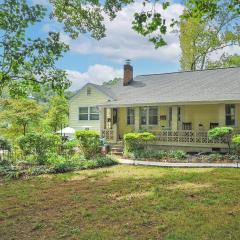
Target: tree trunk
x=24, y=129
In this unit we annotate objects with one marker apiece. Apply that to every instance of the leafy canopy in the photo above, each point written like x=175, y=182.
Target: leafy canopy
x=89, y=143
x=20, y=113
x=202, y=36
x=88, y=16
x=27, y=63
x=58, y=112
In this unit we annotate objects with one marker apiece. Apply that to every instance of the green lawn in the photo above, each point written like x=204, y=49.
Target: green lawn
x=123, y=202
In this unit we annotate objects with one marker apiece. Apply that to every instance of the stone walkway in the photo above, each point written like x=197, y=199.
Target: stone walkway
x=179, y=165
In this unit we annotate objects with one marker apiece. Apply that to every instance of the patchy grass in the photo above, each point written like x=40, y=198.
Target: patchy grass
x=123, y=202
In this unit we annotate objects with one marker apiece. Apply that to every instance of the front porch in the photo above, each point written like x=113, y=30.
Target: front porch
x=178, y=126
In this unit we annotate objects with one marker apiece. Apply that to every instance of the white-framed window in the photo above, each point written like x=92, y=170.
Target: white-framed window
x=88, y=113
x=94, y=113
x=230, y=112
x=153, y=115
x=89, y=91
x=130, y=116
x=83, y=113
x=143, y=115
x=149, y=115
x=179, y=114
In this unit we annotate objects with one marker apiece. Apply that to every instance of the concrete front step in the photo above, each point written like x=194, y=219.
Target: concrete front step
x=117, y=153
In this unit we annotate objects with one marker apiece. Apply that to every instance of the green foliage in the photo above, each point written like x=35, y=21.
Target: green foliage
x=89, y=143
x=55, y=165
x=236, y=143
x=220, y=132
x=20, y=113
x=155, y=154
x=215, y=157
x=224, y=133
x=225, y=61
x=69, y=147
x=199, y=34
x=112, y=82
x=132, y=141
x=88, y=16
x=27, y=63
x=236, y=140
x=39, y=145
x=58, y=112
x=4, y=143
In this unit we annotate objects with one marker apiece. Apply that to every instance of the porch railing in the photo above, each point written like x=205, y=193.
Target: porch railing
x=169, y=136
x=185, y=136
x=108, y=134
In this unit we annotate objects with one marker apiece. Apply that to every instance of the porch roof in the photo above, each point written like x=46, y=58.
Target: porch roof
x=205, y=86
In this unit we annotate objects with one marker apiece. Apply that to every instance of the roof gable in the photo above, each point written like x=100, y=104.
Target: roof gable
x=99, y=88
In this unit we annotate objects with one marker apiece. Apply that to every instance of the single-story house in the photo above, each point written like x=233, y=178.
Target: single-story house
x=178, y=107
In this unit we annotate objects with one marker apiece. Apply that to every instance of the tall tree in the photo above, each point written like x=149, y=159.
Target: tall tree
x=20, y=113
x=225, y=61
x=200, y=38
x=57, y=113
x=89, y=16
x=27, y=63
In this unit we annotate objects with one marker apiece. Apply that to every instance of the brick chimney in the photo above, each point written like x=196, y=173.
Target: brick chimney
x=127, y=73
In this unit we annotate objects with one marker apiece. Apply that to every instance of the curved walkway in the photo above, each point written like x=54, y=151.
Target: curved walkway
x=179, y=165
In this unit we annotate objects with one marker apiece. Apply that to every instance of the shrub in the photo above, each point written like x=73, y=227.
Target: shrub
x=236, y=142
x=160, y=154
x=39, y=145
x=224, y=133
x=215, y=157
x=132, y=141
x=69, y=147
x=62, y=167
x=177, y=154
x=89, y=143
x=5, y=144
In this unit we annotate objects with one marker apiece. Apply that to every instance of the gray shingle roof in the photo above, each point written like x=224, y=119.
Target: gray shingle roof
x=180, y=87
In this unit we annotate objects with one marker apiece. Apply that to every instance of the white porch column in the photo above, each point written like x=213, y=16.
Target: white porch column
x=221, y=115
x=102, y=118
x=137, y=119
x=109, y=118
x=174, y=118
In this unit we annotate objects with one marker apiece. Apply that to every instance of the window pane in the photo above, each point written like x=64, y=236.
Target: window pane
x=130, y=116
x=94, y=116
x=153, y=111
x=83, y=116
x=94, y=110
x=230, y=114
x=153, y=116
x=143, y=112
x=153, y=120
x=88, y=91
x=83, y=110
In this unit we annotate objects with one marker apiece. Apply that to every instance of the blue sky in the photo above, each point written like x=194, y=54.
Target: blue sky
x=97, y=61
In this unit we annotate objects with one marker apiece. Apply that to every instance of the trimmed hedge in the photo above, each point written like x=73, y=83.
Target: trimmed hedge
x=89, y=143
x=132, y=141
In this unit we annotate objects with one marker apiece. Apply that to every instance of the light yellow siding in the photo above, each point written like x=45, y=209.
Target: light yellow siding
x=206, y=114
x=82, y=100
x=203, y=114
x=122, y=122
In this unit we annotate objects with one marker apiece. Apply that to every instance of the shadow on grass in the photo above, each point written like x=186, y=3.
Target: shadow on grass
x=123, y=202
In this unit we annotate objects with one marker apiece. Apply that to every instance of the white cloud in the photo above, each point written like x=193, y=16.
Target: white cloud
x=122, y=42
x=95, y=74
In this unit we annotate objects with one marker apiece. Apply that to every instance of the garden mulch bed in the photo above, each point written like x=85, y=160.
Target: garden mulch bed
x=189, y=159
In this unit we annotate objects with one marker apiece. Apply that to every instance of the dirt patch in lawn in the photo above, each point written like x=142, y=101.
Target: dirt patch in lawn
x=123, y=202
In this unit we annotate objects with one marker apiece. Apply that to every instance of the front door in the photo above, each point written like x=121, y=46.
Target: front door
x=115, y=116
x=115, y=122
